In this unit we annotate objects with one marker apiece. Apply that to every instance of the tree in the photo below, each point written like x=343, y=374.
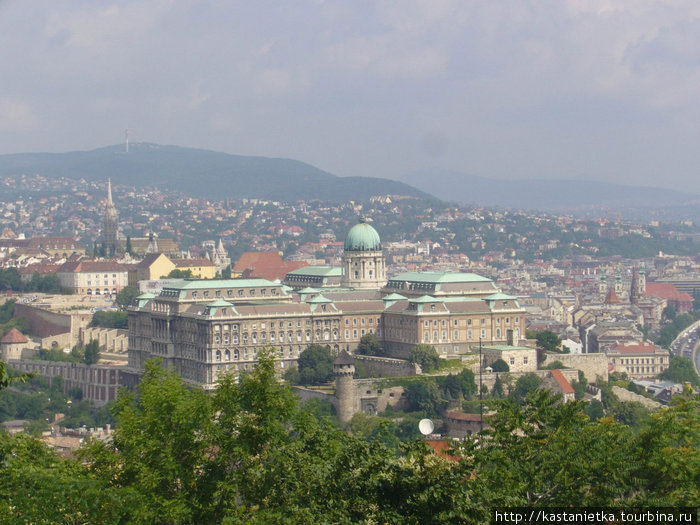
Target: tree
x=92, y=352
x=126, y=296
x=669, y=313
x=554, y=365
x=424, y=396
x=426, y=356
x=161, y=449
x=369, y=345
x=106, y=319
x=315, y=366
x=681, y=370
x=129, y=248
x=594, y=410
x=178, y=274
x=499, y=365
x=497, y=390
x=548, y=340
x=525, y=384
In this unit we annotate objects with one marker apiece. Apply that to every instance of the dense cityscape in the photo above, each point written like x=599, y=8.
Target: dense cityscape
x=103, y=285
x=337, y=263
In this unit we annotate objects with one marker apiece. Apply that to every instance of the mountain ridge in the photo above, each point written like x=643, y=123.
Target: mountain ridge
x=204, y=173
x=542, y=194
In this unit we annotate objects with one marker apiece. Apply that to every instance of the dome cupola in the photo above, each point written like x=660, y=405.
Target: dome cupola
x=363, y=238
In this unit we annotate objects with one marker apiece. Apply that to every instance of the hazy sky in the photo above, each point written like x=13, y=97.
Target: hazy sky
x=606, y=90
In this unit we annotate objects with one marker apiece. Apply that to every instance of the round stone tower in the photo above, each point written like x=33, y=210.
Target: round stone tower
x=344, y=369
x=364, y=265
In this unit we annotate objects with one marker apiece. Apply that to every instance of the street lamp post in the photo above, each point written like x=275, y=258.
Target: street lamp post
x=481, y=393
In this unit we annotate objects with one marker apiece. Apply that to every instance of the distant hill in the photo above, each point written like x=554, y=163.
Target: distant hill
x=541, y=194
x=204, y=173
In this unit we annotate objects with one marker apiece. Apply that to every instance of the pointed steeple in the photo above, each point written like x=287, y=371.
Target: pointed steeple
x=109, y=192
x=110, y=226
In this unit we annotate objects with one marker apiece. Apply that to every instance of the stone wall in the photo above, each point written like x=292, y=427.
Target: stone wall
x=385, y=366
x=57, y=341
x=625, y=395
x=99, y=383
x=371, y=398
x=43, y=323
x=592, y=365
x=112, y=340
x=305, y=394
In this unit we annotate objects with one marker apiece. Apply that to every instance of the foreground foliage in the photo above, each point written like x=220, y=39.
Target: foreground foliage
x=250, y=454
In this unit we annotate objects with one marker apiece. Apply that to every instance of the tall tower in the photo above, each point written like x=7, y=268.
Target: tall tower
x=109, y=230
x=344, y=369
x=364, y=265
x=639, y=285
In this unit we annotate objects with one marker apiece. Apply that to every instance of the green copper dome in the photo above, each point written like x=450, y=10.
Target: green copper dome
x=363, y=238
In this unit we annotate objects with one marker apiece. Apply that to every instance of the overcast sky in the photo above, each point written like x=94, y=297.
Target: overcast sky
x=606, y=90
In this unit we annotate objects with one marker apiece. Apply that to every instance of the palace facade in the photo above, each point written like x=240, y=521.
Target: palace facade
x=205, y=328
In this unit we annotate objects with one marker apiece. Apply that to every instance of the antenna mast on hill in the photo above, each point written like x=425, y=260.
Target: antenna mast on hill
x=126, y=137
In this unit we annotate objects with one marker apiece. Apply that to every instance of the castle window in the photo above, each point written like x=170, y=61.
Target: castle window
x=206, y=293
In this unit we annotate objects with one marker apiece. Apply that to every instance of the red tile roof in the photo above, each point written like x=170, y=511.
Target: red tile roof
x=668, y=291
x=265, y=265
x=612, y=297
x=191, y=263
x=91, y=266
x=636, y=348
x=13, y=336
x=562, y=382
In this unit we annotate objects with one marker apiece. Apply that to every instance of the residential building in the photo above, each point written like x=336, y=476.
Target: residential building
x=639, y=360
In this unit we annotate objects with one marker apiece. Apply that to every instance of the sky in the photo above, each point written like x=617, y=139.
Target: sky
x=594, y=89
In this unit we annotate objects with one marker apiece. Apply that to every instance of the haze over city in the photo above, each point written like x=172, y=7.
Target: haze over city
x=597, y=90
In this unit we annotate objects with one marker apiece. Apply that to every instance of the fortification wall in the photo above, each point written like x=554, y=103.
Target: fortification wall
x=113, y=340
x=305, y=394
x=44, y=323
x=592, y=365
x=386, y=366
x=369, y=397
x=99, y=383
x=626, y=395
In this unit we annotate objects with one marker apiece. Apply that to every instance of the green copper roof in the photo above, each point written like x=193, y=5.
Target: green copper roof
x=363, y=238
x=425, y=299
x=319, y=299
x=205, y=284
x=393, y=297
x=323, y=271
x=146, y=296
x=217, y=303
x=440, y=277
x=308, y=289
x=499, y=297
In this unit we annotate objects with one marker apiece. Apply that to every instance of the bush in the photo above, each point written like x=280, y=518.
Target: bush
x=426, y=356
x=369, y=345
x=500, y=366
x=314, y=367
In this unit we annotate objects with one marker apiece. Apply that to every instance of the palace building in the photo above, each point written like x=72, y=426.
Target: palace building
x=205, y=328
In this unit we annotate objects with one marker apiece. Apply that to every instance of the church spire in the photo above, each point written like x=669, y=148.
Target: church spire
x=109, y=192
x=110, y=226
